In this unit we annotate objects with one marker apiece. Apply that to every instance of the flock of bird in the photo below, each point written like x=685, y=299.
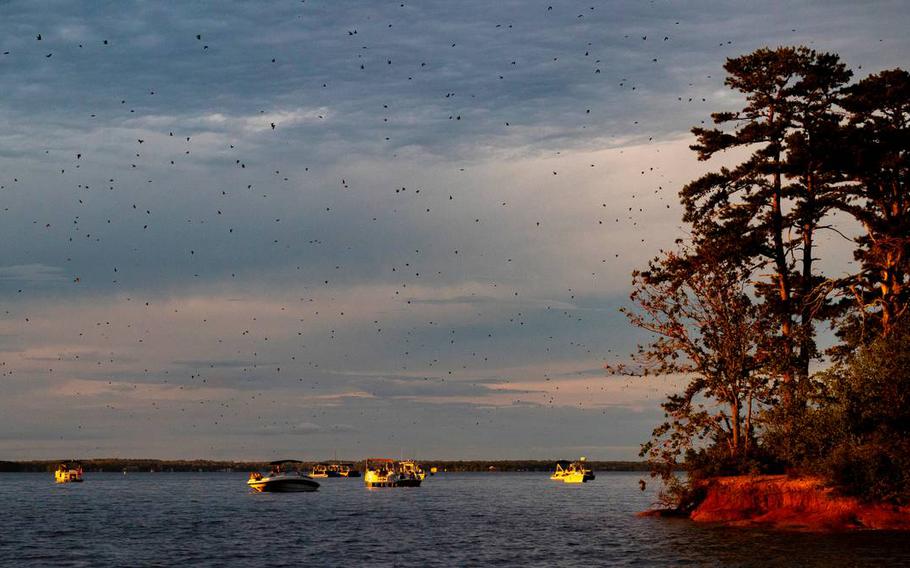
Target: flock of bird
x=319, y=271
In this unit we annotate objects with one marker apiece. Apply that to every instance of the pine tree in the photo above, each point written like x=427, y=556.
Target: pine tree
x=878, y=141
x=767, y=209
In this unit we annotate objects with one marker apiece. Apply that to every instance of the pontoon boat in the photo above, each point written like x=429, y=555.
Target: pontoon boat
x=380, y=472
x=68, y=473
x=572, y=472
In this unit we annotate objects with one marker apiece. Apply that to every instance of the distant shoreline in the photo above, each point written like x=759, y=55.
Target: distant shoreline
x=138, y=465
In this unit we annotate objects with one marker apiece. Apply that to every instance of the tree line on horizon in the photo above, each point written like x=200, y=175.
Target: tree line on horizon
x=139, y=464
x=736, y=307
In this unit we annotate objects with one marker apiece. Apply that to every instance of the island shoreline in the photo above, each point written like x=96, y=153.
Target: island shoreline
x=803, y=504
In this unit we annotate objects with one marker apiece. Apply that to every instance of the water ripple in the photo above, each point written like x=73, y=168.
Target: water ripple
x=210, y=519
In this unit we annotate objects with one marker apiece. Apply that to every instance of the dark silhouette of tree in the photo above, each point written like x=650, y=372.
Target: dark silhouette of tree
x=734, y=311
x=706, y=329
x=767, y=209
x=878, y=140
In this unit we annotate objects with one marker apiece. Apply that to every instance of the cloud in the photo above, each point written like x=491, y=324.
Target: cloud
x=222, y=364
x=300, y=428
x=34, y=273
x=232, y=123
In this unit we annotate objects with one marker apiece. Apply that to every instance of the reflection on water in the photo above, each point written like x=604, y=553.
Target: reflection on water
x=211, y=519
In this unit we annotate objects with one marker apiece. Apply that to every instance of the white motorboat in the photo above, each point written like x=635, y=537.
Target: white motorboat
x=284, y=477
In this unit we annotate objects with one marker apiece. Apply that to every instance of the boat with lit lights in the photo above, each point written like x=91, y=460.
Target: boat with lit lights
x=343, y=469
x=410, y=474
x=323, y=470
x=380, y=472
x=68, y=473
x=572, y=472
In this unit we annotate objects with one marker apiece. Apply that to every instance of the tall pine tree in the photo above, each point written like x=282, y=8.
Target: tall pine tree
x=878, y=142
x=767, y=209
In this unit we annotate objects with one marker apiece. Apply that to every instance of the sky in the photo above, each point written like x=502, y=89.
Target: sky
x=291, y=229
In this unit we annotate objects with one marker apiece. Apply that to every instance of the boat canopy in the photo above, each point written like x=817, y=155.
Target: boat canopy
x=387, y=460
x=279, y=462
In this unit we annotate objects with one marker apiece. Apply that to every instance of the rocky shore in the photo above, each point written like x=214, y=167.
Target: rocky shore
x=787, y=503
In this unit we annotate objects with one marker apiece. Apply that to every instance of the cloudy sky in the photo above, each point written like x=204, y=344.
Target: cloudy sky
x=249, y=230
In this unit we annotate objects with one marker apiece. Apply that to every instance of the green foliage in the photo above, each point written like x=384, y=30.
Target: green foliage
x=856, y=432
x=712, y=461
x=870, y=404
x=797, y=441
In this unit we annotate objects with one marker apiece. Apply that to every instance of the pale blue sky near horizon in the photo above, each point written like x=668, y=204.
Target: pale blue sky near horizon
x=245, y=230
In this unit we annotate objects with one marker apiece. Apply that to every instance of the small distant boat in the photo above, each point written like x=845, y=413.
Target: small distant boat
x=284, y=477
x=433, y=470
x=380, y=472
x=572, y=472
x=410, y=474
x=334, y=468
x=68, y=473
x=345, y=469
x=324, y=469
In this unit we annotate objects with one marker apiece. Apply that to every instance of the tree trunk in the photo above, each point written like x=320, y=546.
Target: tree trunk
x=747, y=446
x=783, y=278
x=735, y=426
x=806, y=328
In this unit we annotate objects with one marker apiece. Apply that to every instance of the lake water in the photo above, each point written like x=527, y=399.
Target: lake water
x=520, y=519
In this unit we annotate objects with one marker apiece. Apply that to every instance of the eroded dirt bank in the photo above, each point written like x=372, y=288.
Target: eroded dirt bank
x=790, y=503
